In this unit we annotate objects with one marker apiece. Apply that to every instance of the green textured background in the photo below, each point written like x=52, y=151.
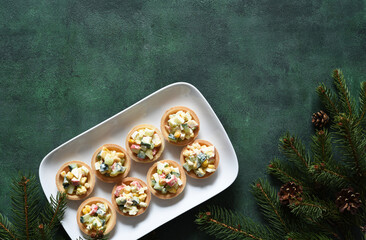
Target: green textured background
x=67, y=65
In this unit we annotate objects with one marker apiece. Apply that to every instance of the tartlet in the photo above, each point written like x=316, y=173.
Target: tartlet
x=203, y=160
x=166, y=185
x=128, y=205
x=178, y=127
x=145, y=143
x=93, y=213
x=117, y=160
x=68, y=179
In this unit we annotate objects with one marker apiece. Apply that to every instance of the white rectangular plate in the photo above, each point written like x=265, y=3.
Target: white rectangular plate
x=114, y=130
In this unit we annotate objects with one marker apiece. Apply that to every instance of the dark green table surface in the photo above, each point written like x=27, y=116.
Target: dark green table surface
x=68, y=65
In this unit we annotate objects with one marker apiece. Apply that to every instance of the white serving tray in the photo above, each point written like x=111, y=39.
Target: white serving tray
x=114, y=130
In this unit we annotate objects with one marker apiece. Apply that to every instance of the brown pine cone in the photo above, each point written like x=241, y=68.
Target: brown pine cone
x=320, y=119
x=348, y=200
x=290, y=193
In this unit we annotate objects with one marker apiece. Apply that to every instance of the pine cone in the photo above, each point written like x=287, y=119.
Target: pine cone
x=348, y=200
x=290, y=193
x=320, y=119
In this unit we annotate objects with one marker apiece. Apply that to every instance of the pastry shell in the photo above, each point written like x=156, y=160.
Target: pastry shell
x=59, y=180
x=164, y=121
x=126, y=164
x=111, y=222
x=153, y=169
x=127, y=181
x=133, y=155
x=216, y=163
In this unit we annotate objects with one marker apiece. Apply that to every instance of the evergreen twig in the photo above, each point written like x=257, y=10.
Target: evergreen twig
x=28, y=217
x=352, y=142
x=7, y=230
x=362, y=110
x=294, y=150
x=227, y=225
x=328, y=100
x=343, y=92
x=267, y=200
x=283, y=172
x=25, y=199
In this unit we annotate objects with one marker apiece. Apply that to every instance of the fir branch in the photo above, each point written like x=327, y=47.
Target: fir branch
x=267, y=200
x=225, y=224
x=352, y=142
x=7, y=230
x=330, y=178
x=362, y=110
x=25, y=199
x=55, y=209
x=321, y=147
x=43, y=232
x=343, y=93
x=324, y=228
x=307, y=236
x=309, y=209
x=283, y=172
x=294, y=150
x=328, y=100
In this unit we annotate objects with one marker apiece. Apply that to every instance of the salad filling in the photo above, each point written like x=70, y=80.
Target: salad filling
x=145, y=143
x=76, y=180
x=130, y=198
x=200, y=159
x=166, y=179
x=181, y=126
x=95, y=217
x=110, y=163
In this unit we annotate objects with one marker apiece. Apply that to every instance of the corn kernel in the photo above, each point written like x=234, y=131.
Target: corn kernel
x=177, y=133
x=87, y=185
x=63, y=173
x=205, y=163
x=167, y=170
x=162, y=181
x=195, y=165
x=69, y=175
x=135, y=194
x=83, y=180
x=120, y=155
x=211, y=166
x=142, y=197
x=172, y=190
x=131, y=140
x=86, y=209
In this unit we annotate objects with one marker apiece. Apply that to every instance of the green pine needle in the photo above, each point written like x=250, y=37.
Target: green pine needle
x=308, y=209
x=328, y=100
x=30, y=221
x=307, y=236
x=55, y=210
x=344, y=96
x=321, y=147
x=362, y=109
x=284, y=172
x=7, y=229
x=267, y=200
x=294, y=150
x=225, y=224
x=25, y=204
x=351, y=140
